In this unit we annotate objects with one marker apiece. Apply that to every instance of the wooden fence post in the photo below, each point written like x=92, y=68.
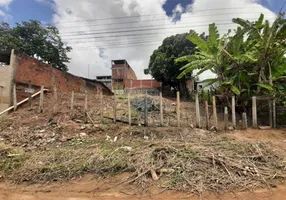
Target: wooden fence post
x=225, y=119
x=55, y=100
x=215, y=112
x=42, y=99
x=114, y=109
x=244, y=120
x=85, y=101
x=198, y=115
x=178, y=109
x=254, y=112
x=101, y=107
x=1, y=93
x=15, y=97
x=30, y=95
x=129, y=109
x=274, y=112
x=145, y=110
x=270, y=114
x=233, y=111
x=72, y=100
x=207, y=115
x=161, y=109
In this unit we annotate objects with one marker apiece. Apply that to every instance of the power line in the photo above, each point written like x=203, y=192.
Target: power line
x=136, y=30
x=91, y=36
x=156, y=20
x=148, y=15
x=82, y=32
x=127, y=44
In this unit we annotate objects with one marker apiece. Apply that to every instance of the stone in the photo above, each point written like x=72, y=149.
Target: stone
x=82, y=134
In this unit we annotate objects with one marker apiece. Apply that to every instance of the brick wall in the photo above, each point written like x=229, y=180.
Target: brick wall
x=137, y=84
x=36, y=73
x=121, y=72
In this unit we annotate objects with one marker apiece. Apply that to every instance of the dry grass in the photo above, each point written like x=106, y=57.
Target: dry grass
x=201, y=163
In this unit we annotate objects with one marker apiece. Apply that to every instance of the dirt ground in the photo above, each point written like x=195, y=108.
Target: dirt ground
x=33, y=131
x=89, y=188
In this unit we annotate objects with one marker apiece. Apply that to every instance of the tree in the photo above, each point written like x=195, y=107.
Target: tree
x=33, y=39
x=162, y=66
x=246, y=63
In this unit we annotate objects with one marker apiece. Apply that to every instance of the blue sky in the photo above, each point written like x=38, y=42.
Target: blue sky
x=23, y=10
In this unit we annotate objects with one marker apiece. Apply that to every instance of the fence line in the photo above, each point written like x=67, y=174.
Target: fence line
x=167, y=113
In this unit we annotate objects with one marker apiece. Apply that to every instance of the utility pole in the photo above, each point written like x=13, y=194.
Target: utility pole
x=88, y=71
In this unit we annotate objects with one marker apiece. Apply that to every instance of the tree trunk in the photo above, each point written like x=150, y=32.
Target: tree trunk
x=183, y=89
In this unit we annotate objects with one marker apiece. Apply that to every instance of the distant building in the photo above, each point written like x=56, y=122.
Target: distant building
x=124, y=79
x=106, y=80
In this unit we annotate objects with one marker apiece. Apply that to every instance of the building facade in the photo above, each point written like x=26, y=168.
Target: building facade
x=124, y=79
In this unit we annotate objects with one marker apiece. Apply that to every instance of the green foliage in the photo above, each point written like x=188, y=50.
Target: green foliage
x=249, y=62
x=162, y=65
x=33, y=39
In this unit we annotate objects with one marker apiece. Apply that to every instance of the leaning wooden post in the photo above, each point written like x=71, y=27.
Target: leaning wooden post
x=178, y=109
x=55, y=99
x=161, y=109
x=145, y=110
x=198, y=115
x=215, y=112
x=233, y=111
x=72, y=100
x=274, y=113
x=14, y=97
x=42, y=99
x=101, y=106
x=114, y=109
x=225, y=119
x=244, y=121
x=207, y=115
x=129, y=109
x=254, y=112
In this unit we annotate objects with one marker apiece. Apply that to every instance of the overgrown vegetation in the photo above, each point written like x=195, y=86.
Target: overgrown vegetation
x=223, y=164
x=249, y=62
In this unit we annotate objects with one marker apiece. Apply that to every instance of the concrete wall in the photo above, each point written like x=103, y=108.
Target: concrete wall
x=6, y=81
x=5, y=86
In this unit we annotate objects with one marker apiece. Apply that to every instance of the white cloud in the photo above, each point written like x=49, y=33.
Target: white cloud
x=2, y=14
x=151, y=16
x=5, y=2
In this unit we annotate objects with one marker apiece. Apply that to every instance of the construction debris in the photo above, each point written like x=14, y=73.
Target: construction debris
x=138, y=104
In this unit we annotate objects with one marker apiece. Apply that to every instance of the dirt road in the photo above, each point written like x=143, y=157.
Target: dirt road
x=89, y=188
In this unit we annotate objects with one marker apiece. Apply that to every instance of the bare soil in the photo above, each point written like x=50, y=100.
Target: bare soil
x=88, y=188
x=31, y=131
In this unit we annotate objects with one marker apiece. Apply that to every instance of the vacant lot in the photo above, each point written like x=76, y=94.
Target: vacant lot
x=114, y=160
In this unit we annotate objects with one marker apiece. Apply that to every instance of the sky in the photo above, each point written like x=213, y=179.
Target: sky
x=103, y=30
